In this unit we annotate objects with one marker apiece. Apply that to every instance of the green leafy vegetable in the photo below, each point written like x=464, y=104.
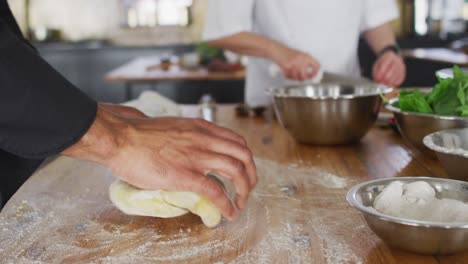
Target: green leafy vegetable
x=414, y=101
x=463, y=110
x=438, y=90
x=449, y=97
x=207, y=51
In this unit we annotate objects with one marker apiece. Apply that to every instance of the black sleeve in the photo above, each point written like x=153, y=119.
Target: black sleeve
x=41, y=113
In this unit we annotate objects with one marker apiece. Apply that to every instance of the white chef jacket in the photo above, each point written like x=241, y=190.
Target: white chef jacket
x=326, y=29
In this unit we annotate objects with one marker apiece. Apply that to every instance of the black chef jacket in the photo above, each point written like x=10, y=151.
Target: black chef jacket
x=41, y=113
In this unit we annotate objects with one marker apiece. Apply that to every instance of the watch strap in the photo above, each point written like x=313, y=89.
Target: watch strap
x=394, y=47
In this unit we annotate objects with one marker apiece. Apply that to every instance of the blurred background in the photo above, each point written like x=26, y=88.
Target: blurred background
x=87, y=41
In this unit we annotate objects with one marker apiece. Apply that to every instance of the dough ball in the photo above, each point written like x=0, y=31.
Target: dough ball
x=419, y=191
x=418, y=201
x=158, y=203
x=389, y=200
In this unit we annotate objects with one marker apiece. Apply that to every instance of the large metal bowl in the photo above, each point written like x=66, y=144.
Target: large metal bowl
x=451, y=147
x=415, y=126
x=329, y=113
x=411, y=235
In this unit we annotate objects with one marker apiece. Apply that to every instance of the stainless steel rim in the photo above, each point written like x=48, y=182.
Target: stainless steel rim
x=380, y=89
x=429, y=142
x=389, y=106
x=351, y=198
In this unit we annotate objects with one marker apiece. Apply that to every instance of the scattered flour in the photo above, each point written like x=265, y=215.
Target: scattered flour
x=417, y=201
x=276, y=227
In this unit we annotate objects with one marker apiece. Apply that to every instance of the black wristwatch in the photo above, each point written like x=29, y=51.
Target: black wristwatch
x=394, y=47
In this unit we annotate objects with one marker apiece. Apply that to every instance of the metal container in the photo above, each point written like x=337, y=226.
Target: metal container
x=412, y=235
x=329, y=113
x=415, y=126
x=451, y=147
x=43, y=34
x=448, y=72
x=207, y=106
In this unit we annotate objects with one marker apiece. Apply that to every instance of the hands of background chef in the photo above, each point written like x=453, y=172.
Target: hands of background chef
x=389, y=69
x=296, y=65
x=170, y=153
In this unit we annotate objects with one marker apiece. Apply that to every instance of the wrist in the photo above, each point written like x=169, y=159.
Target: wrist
x=102, y=140
x=390, y=48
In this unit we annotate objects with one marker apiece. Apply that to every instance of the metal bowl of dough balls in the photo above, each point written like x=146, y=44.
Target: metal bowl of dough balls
x=417, y=214
x=451, y=148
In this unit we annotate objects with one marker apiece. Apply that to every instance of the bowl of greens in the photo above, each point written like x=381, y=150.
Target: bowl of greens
x=420, y=113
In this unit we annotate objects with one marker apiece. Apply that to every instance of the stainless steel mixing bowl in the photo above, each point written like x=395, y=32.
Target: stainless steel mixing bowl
x=411, y=235
x=415, y=126
x=329, y=113
x=451, y=147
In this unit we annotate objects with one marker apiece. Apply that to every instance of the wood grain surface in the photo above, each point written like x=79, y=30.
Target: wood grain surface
x=297, y=214
x=140, y=70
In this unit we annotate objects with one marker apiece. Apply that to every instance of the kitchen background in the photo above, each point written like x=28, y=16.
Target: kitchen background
x=85, y=39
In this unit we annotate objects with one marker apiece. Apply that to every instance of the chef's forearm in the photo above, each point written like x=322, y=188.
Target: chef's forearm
x=251, y=44
x=380, y=37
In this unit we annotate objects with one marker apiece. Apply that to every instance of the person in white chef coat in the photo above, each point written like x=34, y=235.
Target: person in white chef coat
x=303, y=38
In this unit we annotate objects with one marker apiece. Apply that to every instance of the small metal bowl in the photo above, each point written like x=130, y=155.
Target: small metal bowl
x=451, y=147
x=415, y=126
x=415, y=236
x=328, y=113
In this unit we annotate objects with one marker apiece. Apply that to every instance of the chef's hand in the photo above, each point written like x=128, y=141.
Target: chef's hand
x=389, y=69
x=171, y=154
x=296, y=65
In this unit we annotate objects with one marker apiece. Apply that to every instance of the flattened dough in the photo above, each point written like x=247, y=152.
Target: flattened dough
x=158, y=203
x=134, y=201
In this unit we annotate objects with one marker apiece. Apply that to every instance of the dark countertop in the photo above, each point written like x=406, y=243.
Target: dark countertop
x=101, y=44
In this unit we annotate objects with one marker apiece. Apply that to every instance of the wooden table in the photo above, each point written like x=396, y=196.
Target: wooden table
x=297, y=214
x=142, y=70
x=437, y=55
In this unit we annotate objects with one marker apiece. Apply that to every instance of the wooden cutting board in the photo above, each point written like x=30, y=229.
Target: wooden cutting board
x=65, y=216
x=297, y=214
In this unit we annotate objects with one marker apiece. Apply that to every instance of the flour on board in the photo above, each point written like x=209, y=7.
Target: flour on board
x=277, y=225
